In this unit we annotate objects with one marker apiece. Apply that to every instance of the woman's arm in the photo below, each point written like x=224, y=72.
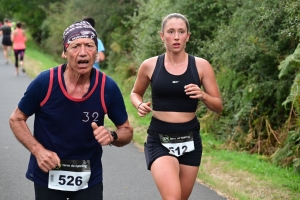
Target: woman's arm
x=210, y=96
x=140, y=86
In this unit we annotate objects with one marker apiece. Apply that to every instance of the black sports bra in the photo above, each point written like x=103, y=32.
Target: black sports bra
x=168, y=89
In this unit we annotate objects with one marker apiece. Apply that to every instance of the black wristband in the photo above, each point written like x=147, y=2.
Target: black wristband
x=114, y=135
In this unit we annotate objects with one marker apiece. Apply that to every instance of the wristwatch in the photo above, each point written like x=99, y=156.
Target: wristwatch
x=114, y=135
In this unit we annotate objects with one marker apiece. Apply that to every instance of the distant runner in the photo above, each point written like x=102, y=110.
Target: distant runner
x=18, y=37
x=5, y=31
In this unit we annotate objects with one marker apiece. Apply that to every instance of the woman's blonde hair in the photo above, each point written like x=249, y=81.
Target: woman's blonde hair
x=174, y=15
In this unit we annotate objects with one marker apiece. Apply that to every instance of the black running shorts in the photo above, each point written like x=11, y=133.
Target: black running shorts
x=6, y=41
x=154, y=149
x=44, y=193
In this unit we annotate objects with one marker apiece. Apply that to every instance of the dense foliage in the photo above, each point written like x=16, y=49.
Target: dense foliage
x=248, y=51
x=252, y=45
x=32, y=13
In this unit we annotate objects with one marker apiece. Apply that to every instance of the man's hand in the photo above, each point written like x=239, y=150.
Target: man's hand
x=47, y=160
x=102, y=135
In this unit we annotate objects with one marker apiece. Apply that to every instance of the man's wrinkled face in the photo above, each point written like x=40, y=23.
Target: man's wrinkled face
x=81, y=54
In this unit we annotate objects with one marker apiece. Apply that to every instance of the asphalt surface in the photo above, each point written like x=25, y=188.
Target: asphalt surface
x=125, y=175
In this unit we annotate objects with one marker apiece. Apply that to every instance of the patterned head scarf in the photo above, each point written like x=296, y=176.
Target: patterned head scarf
x=81, y=29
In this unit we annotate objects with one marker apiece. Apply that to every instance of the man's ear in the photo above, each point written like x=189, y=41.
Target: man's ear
x=63, y=55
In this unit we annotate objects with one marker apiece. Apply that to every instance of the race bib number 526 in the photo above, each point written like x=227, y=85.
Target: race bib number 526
x=72, y=175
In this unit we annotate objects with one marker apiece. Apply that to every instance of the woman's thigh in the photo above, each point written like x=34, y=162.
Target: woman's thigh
x=188, y=175
x=165, y=172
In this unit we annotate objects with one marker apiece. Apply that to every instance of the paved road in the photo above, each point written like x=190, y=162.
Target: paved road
x=125, y=174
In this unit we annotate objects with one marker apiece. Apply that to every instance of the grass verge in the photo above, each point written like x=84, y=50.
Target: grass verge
x=236, y=175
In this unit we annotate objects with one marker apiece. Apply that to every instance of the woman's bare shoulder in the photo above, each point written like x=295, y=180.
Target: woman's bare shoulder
x=204, y=67
x=150, y=61
x=148, y=66
x=201, y=61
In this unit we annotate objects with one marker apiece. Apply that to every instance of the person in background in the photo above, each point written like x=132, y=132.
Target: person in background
x=18, y=37
x=100, y=56
x=173, y=149
x=5, y=31
x=69, y=103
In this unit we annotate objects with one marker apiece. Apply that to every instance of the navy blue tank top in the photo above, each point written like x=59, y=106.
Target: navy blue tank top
x=63, y=123
x=168, y=89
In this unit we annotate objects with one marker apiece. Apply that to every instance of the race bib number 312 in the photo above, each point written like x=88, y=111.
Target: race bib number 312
x=178, y=144
x=72, y=175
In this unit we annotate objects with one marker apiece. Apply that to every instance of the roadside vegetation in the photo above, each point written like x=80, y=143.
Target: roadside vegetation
x=251, y=149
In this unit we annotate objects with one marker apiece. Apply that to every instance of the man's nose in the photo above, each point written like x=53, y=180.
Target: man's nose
x=82, y=51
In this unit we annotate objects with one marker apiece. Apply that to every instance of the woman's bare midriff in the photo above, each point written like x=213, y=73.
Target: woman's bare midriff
x=174, y=117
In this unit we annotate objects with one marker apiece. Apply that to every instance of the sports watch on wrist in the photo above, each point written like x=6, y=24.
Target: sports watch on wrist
x=114, y=135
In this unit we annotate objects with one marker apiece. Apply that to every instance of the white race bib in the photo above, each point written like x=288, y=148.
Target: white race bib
x=72, y=175
x=178, y=144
